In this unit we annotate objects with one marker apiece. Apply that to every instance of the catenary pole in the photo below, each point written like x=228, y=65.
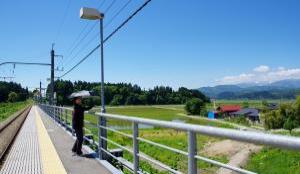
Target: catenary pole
x=52, y=77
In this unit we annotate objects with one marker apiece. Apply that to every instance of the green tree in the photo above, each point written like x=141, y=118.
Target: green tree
x=116, y=100
x=245, y=104
x=194, y=106
x=290, y=124
x=273, y=120
x=265, y=103
x=12, y=97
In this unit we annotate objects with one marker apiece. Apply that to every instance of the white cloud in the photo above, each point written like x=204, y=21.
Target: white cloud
x=281, y=68
x=266, y=76
x=261, y=69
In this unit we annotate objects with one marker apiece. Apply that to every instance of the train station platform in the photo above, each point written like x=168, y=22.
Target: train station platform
x=43, y=147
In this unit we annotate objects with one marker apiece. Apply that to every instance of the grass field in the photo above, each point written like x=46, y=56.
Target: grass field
x=169, y=137
x=166, y=113
x=252, y=103
x=275, y=161
x=7, y=109
x=269, y=160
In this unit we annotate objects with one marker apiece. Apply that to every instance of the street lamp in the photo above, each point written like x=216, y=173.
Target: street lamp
x=94, y=14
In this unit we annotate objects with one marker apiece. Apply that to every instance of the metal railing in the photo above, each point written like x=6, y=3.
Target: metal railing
x=60, y=114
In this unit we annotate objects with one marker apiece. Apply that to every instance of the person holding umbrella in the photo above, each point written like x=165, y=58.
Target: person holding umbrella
x=78, y=120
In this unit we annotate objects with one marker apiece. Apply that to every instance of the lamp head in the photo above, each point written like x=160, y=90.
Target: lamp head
x=90, y=13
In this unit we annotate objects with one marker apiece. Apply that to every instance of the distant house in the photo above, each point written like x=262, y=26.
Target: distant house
x=251, y=113
x=272, y=106
x=212, y=115
x=227, y=109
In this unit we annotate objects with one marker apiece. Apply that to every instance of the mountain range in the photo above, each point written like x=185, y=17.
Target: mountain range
x=284, y=89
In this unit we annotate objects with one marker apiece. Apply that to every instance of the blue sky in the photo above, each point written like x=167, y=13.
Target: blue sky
x=189, y=43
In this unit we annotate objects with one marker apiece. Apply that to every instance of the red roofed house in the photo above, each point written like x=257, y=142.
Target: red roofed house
x=227, y=109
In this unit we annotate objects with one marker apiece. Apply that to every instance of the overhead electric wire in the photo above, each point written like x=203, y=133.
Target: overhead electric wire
x=89, y=31
x=110, y=5
x=108, y=37
x=85, y=46
x=86, y=34
x=121, y=9
x=63, y=21
x=95, y=36
x=84, y=28
x=103, y=1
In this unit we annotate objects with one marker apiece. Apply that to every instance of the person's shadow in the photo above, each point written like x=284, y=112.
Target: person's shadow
x=90, y=155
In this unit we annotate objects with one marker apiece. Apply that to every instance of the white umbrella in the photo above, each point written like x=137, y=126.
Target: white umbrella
x=83, y=94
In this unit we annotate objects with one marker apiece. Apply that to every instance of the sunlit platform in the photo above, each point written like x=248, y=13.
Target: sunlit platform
x=43, y=147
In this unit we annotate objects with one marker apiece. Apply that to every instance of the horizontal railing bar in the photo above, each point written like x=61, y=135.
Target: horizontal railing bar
x=116, y=144
x=159, y=164
x=198, y=157
x=163, y=146
x=224, y=165
x=286, y=142
x=90, y=124
x=155, y=162
x=110, y=154
x=116, y=131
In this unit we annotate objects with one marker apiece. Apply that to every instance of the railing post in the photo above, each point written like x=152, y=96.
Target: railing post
x=100, y=141
x=55, y=113
x=66, y=119
x=71, y=122
x=61, y=117
x=58, y=115
x=192, y=151
x=135, y=129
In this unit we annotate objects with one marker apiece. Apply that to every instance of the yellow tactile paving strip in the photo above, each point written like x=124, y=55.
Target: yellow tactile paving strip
x=51, y=163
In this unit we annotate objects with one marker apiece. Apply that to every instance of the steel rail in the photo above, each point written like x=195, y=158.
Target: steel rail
x=10, y=128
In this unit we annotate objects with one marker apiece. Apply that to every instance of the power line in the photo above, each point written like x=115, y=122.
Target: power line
x=103, y=1
x=89, y=31
x=95, y=36
x=86, y=34
x=84, y=28
x=85, y=46
x=63, y=20
x=124, y=6
x=110, y=5
x=108, y=37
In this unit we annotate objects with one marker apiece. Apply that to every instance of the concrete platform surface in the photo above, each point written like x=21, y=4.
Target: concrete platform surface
x=63, y=143
x=43, y=147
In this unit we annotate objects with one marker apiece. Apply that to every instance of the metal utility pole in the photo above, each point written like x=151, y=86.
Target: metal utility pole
x=94, y=14
x=40, y=91
x=51, y=97
x=4, y=78
x=52, y=77
x=102, y=119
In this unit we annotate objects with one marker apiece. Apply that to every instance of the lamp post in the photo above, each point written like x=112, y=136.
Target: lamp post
x=94, y=14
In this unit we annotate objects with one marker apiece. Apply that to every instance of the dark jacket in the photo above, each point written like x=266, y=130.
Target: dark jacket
x=78, y=116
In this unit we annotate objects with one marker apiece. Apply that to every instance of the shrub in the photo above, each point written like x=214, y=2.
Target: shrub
x=117, y=100
x=12, y=97
x=245, y=104
x=273, y=120
x=290, y=124
x=194, y=106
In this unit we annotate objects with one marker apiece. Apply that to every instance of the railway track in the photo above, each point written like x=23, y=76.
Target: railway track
x=9, y=129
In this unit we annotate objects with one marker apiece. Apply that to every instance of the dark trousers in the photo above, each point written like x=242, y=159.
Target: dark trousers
x=78, y=143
